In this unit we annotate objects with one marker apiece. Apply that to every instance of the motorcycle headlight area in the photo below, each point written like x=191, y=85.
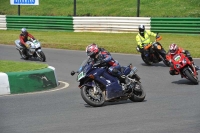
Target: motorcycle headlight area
x=80, y=76
x=184, y=61
x=178, y=65
x=31, y=50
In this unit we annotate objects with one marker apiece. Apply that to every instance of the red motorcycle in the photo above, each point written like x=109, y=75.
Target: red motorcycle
x=185, y=68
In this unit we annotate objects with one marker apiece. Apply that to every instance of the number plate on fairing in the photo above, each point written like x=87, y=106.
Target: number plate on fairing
x=80, y=76
x=177, y=57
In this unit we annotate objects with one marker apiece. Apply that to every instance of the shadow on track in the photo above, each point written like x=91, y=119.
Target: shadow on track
x=154, y=65
x=114, y=103
x=183, y=81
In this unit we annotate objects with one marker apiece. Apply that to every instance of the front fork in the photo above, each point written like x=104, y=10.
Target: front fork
x=94, y=86
x=38, y=53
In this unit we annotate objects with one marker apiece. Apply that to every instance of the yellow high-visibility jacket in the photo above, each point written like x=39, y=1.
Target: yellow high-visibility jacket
x=146, y=40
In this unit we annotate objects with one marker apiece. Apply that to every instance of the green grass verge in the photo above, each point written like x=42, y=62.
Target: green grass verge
x=14, y=66
x=113, y=42
x=125, y=8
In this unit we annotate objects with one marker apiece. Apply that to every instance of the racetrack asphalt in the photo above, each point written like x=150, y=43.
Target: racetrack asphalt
x=171, y=104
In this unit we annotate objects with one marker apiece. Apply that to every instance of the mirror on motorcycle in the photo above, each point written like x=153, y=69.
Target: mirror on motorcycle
x=72, y=73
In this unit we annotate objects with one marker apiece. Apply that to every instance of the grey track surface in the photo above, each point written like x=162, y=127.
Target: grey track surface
x=172, y=104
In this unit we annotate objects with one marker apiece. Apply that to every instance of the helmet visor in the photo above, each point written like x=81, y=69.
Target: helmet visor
x=173, y=51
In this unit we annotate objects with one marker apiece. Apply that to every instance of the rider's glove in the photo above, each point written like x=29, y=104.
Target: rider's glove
x=27, y=46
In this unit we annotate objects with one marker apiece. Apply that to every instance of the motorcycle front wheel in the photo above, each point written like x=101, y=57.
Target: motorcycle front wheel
x=191, y=77
x=92, y=99
x=138, y=93
x=146, y=60
x=41, y=56
x=165, y=61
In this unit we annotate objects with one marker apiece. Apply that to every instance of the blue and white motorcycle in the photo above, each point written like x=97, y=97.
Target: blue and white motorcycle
x=96, y=90
x=34, y=51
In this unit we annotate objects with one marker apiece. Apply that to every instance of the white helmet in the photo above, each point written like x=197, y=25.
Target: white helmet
x=24, y=31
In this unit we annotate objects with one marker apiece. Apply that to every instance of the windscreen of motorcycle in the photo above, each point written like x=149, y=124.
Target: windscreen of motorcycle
x=36, y=43
x=155, y=45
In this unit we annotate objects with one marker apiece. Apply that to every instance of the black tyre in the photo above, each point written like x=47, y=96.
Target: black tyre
x=90, y=98
x=191, y=77
x=145, y=60
x=139, y=93
x=165, y=61
x=41, y=56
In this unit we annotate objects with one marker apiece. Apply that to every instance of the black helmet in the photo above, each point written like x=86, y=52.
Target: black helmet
x=141, y=29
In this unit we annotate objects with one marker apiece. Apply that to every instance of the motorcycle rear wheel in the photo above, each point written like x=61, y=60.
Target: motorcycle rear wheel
x=191, y=77
x=139, y=93
x=90, y=98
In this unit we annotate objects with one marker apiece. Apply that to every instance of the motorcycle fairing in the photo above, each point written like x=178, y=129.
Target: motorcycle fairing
x=113, y=89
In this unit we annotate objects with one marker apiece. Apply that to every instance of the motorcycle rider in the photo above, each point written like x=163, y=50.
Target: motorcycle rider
x=104, y=58
x=100, y=55
x=23, y=37
x=143, y=39
x=173, y=50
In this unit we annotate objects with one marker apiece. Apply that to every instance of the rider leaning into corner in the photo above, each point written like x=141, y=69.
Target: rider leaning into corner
x=143, y=38
x=173, y=50
x=100, y=55
x=104, y=58
x=23, y=37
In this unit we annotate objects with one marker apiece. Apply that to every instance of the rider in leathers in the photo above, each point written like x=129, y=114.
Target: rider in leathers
x=104, y=58
x=23, y=37
x=173, y=50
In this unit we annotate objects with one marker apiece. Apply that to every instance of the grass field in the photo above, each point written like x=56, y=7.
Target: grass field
x=115, y=42
x=14, y=66
x=127, y=8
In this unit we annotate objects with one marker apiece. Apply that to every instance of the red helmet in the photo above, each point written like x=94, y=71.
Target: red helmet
x=173, y=48
x=92, y=50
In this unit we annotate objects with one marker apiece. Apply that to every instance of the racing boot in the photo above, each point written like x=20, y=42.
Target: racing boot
x=121, y=78
x=124, y=79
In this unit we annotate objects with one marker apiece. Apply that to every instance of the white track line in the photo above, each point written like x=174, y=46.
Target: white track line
x=50, y=90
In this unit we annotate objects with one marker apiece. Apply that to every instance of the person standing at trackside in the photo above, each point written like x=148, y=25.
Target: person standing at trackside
x=173, y=50
x=143, y=39
x=23, y=37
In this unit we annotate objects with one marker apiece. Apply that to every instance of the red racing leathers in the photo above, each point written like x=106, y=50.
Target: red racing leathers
x=24, y=38
x=170, y=56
